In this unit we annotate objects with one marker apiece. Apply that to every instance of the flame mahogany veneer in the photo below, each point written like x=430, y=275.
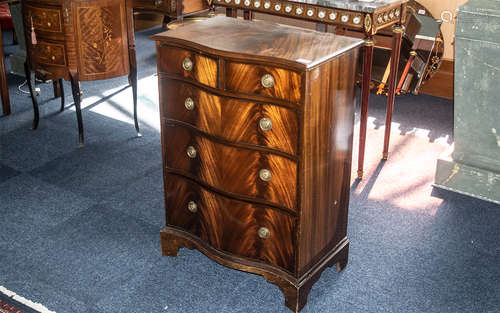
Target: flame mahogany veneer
x=225, y=121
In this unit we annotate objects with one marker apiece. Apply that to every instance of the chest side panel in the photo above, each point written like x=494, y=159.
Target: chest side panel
x=326, y=158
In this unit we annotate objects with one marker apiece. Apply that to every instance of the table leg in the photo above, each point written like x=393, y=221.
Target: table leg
x=396, y=49
x=248, y=15
x=321, y=27
x=230, y=12
x=4, y=88
x=365, y=98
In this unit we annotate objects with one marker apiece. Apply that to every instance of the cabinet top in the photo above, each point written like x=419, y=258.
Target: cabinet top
x=260, y=41
x=365, y=6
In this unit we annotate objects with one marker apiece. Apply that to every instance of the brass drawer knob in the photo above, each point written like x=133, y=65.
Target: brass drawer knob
x=191, y=152
x=187, y=64
x=265, y=124
x=264, y=233
x=267, y=81
x=265, y=175
x=158, y=3
x=192, y=207
x=189, y=104
x=53, y=58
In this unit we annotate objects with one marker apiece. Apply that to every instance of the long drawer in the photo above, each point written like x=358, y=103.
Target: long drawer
x=236, y=227
x=235, y=120
x=239, y=171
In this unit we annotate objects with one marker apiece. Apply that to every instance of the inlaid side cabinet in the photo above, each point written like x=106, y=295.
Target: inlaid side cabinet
x=257, y=125
x=79, y=40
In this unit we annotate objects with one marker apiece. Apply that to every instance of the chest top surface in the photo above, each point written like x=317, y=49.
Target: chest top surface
x=262, y=41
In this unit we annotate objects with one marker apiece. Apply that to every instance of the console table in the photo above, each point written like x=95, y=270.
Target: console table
x=363, y=16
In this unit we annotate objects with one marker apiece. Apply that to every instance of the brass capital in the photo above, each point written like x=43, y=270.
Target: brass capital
x=369, y=42
x=413, y=53
x=398, y=29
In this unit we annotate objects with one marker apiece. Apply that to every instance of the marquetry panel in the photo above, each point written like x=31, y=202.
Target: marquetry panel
x=248, y=78
x=230, y=225
x=230, y=118
x=45, y=19
x=103, y=50
x=220, y=166
x=203, y=69
x=49, y=53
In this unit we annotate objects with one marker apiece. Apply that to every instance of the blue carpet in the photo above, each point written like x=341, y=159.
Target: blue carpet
x=79, y=228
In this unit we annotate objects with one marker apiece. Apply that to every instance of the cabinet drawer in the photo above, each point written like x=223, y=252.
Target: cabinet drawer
x=188, y=64
x=229, y=225
x=45, y=19
x=49, y=53
x=265, y=81
x=249, y=173
x=235, y=120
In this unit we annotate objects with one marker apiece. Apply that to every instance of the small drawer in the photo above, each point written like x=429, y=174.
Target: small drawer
x=239, y=171
x=265, y=81
x=237, y=227
x=188, y=64
x=49, y=53
x=235, y=120
x=45, y=19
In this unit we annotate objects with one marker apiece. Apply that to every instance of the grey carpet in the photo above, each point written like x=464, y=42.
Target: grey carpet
x=79, y=228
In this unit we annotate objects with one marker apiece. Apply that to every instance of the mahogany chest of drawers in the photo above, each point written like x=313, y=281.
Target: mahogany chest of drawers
x=257, y=125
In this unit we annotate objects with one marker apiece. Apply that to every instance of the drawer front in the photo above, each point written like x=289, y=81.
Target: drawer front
x=45, y=19
x=265, y=81
x=238, y=171
x=233, y=226
x=187, y=64
x=235, y=120
x=49, y=53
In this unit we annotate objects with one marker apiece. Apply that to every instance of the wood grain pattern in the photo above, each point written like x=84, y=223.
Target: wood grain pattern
x=285, y=46
x=220, y=166
x=229, y=118
x=326, y=159
x=205, y=69
x=246, y=78
x=102, y=36
x=231, y=225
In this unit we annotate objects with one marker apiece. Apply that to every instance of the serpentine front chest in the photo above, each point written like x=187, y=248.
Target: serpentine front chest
x=257, y=125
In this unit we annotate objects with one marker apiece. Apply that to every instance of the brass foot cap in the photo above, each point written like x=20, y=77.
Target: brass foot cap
x=385, y=156
x=360, y=174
